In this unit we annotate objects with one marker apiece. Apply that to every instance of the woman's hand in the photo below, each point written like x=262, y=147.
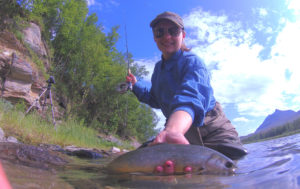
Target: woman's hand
x=177, y=125
x=170, y=137
x=131, y=78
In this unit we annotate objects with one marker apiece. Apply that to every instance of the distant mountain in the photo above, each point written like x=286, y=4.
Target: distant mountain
x=278, y=118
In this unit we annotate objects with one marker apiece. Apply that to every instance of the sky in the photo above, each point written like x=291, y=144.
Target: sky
x=251, y=48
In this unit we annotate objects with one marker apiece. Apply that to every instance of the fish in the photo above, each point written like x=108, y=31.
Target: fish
x=172, y=159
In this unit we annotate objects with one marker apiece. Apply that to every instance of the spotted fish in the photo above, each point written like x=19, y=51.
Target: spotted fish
x=168, y=159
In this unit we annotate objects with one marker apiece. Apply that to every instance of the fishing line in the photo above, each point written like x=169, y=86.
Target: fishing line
x=128, y=63
x=125, y=86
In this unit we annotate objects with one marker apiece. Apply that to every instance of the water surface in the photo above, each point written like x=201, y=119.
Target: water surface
x=269, y=164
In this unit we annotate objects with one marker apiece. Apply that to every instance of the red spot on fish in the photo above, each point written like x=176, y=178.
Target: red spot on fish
x=169, y=167
x=188, y=169
x=158, y=169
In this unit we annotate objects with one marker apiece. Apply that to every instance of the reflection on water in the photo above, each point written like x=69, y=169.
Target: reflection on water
x=25, y=177
x=269, y=164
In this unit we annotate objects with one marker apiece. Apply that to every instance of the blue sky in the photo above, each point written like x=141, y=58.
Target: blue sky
x=251, y=48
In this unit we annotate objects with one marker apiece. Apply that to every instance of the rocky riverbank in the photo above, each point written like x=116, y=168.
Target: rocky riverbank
x=47, y=156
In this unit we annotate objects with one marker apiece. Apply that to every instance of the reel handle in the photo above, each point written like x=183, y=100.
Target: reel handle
x=124, y=87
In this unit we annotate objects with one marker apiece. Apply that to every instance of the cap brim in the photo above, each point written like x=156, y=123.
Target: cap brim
x=155, y=21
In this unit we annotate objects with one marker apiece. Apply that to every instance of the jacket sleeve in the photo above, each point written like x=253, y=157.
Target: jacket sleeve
x=144, y=94
x=194, y=93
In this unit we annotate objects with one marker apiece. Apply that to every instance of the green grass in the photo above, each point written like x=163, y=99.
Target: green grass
x=33, y=129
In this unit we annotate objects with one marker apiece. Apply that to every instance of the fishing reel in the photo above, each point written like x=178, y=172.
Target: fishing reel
x=124, y=87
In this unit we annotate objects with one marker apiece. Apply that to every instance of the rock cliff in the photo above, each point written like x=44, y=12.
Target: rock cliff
x=21, y=77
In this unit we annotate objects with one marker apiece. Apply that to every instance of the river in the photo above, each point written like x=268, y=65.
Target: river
x=269, y=164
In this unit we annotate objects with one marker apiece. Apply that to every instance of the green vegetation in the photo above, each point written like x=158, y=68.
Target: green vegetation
x=276, y=132
x=87, y=68
x=32, y=129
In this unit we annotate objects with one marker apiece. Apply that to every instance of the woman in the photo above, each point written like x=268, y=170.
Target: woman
x=181, y=89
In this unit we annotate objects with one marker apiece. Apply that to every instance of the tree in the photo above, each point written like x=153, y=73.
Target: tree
x=87, y=67
x=9, y=9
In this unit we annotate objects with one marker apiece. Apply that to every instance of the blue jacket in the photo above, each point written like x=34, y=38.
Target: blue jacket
x=179, y=83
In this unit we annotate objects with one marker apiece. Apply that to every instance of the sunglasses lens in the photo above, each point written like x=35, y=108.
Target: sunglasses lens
x=160, y=32
x=174, y=31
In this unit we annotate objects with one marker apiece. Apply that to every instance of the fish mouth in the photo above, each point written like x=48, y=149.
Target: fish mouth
x=218, y=165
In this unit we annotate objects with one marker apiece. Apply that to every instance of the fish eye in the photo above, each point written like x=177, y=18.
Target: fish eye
x=229, y=164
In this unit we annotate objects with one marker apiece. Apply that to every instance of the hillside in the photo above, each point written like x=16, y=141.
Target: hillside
x=278, y=118
x=280, y=123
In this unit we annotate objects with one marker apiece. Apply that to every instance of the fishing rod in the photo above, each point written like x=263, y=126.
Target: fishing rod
x=125, y=86
x=128, y=63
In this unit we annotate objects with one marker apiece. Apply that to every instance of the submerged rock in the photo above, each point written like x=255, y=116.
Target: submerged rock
x=84, y=152
x=32, y=156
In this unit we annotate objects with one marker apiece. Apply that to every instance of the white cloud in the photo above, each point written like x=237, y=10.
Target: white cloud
x=286, y=52
x=256, y=86
x=114, y=3
x=100, y=4
x=90, y=2
x=294, y=5
x=149, y=65
x=263, y=12
x=269, y=30
x=241, y=119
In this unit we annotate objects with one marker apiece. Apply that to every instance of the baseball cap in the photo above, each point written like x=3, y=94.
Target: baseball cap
x=173, y=17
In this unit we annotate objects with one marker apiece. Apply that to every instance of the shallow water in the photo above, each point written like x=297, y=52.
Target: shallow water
x=269, y=164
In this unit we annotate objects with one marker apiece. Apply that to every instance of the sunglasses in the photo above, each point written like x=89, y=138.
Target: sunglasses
x=160, y=32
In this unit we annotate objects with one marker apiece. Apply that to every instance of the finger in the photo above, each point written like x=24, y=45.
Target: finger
x=152, y=143
x=157, y=140
x=185, y=141
x=129, y=72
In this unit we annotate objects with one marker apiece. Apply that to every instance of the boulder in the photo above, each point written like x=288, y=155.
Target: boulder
x=2, y=135
x=115, y=150
x=16, y=89
x=20, y=69
x=32, y=156
x=33, y=37
x=83, y=152
x=12, y=139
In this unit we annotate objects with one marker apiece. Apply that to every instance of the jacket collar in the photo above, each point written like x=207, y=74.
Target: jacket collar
x=168, y=64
